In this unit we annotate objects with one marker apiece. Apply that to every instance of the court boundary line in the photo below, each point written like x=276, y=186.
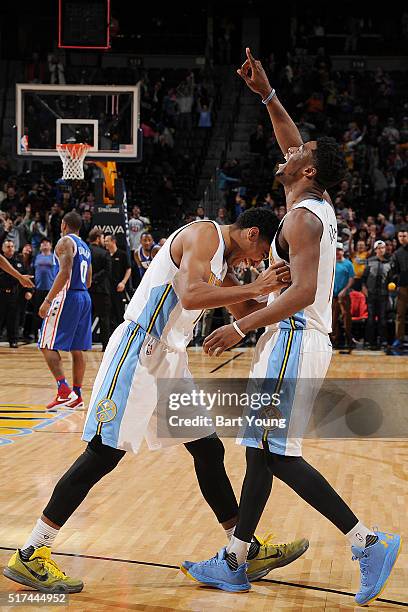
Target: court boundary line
x=225, y=362
x=176, y=567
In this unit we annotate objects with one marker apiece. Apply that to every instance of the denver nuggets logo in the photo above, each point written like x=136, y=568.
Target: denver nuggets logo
x=271, y=412
x=106, y=410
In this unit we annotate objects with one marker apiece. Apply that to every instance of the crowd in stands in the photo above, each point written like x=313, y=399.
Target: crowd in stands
x=178, y=108
x=29, y=247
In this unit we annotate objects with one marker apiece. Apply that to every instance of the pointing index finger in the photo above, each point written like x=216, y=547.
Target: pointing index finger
x=250, y=57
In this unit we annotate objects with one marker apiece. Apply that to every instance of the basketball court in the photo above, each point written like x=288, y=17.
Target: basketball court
x=136, y=526
x=128, y=538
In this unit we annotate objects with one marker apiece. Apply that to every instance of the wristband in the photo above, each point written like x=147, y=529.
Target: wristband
x=235, y=326
x=269, y=97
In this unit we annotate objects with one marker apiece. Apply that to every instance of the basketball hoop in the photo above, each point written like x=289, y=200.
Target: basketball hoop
x=72, y=157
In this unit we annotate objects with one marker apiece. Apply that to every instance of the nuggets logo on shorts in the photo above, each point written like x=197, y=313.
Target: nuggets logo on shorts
x=271, y=412
x=106, y=410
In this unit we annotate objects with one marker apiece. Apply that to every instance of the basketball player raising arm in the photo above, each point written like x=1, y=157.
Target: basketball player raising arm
x=301, y=233
x=295, y=346
x=23, y=279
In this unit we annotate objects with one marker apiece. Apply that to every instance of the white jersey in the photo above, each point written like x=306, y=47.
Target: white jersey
x=319, y=314
x=156, y=305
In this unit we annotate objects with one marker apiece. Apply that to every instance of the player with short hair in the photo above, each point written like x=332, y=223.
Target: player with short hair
x=66, y=311
x=292, y=358
x=188, y=275
x=145, y=252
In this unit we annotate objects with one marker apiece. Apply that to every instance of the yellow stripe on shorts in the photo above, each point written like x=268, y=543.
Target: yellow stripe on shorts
x=159, y=306
x=283, y=366
x=117, y=371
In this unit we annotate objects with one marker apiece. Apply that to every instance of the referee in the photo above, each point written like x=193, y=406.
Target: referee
x=10, y=280
x=121, y=271
x=100, y=290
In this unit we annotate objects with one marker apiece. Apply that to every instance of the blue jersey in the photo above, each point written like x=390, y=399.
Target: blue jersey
x=80, y=265
x=44, y=267
x=145, y=260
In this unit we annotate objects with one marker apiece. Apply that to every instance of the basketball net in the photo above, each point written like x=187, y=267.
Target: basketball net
x=72, y=157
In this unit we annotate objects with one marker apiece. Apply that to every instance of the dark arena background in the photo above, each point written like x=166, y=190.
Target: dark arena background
x=158, y=130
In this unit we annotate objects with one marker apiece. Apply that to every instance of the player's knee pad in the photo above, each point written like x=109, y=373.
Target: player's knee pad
x=209, y=450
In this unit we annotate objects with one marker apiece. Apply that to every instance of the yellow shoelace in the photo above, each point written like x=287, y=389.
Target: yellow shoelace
x=268, y=539
x=50, y=566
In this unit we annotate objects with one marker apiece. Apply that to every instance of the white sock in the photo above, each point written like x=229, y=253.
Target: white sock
x=41, y=535
x=240, y=548
x=229, y=532
x=358, y=535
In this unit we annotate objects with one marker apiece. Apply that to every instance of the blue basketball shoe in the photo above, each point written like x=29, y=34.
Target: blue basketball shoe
x=216, y=573
x=268, y=557
x=376, y=563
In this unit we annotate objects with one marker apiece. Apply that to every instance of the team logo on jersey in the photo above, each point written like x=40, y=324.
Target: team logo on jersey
x=271, y=412
x=106, y=410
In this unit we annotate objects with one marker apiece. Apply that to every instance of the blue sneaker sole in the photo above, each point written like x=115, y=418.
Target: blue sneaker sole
x=231, y=588
x=390, y=561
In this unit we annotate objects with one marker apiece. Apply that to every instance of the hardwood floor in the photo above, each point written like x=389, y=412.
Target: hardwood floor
x=141, y=521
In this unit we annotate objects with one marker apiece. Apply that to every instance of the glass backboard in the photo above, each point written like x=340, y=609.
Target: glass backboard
x=105, y=117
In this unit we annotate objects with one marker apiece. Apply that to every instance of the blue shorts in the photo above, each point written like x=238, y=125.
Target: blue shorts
x=68, y=325
x=293, y=365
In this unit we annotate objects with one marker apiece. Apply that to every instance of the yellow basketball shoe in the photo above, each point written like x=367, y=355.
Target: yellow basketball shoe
x=270, y=556
x=41, y=572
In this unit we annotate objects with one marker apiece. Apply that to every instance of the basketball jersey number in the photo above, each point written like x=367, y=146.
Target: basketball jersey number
x=84, y=270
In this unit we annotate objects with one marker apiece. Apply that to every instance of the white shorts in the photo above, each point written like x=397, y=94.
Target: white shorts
x=127, y=403
x=292, y=364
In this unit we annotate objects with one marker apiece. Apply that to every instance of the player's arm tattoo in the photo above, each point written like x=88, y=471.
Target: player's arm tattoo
x=89, y=276
x=65, y=253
